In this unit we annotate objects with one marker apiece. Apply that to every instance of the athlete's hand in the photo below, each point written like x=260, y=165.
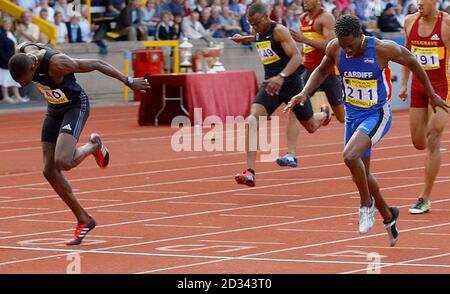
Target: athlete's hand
x=297, y=36
x=436, y=101
x=274, y=85
x=403, y=93
x=297, y=99
x=238, y=38
x=140, y=84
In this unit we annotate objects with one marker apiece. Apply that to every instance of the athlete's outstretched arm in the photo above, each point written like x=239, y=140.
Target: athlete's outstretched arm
x=392, y=51
x=63, y=65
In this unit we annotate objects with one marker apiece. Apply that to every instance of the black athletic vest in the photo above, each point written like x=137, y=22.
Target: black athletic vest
x=56, y=94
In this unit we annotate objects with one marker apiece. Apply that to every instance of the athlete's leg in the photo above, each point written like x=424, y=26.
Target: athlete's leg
x=418, y=120
x=355, y=147
x=436, y=126
x=292, y=132
x=67, y=156
x=374, y=190
x=332, y=88
x=60, y=184
x=251, y=134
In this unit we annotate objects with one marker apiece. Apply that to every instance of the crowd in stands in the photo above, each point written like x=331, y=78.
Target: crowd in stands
x=194, y=19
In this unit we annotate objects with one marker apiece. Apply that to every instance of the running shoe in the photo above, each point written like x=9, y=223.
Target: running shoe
x=421, y=206
x=81, y=232
x=246, y=178
x=366, y=217
x=102, y=154
x=391, y=226
x=286, y=160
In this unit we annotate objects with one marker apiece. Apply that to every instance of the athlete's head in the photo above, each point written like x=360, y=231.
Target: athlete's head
x=258, y=17
x=22, y=67
x=426, y=7
x=349, y=34
x=311, y=5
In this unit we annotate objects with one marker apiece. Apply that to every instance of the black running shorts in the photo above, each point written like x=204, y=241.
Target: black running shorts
x=288, y=90
x=69, y=119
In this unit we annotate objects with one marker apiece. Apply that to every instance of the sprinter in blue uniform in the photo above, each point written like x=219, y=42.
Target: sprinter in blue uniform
x=363, y=64
x=67, y=111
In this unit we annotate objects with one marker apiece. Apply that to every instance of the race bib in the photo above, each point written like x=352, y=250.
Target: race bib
x=361, y=93
x=311, y=36
x=428, y=57
x=266, y=52
x=53, y=96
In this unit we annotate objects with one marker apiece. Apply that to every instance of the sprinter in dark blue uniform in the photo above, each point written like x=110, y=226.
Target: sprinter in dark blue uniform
x=282, y=72
x=363, y=64
x=67, y=112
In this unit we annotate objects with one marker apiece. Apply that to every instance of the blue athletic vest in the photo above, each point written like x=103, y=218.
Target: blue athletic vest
x=365, y=86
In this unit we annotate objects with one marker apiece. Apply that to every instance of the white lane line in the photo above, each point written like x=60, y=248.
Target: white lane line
x=268, y=195
x=182, y=226
x=5, y=232
x=395, y=248
x=5, y=197
x=108, y=236
x=435, y=234
x=318, y=231
x=242, y=242
x=256, y=216
x=24, y=208
x=131, y=212
x=156, y=192
x=43, y=189
x=391, y=198
x=321, y=206
x=46, y=221
x=205, y=203
x=100, y=200
x=403, y=220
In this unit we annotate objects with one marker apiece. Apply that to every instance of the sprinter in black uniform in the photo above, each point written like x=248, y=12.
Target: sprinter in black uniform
x=282, y=67
x=67, y=112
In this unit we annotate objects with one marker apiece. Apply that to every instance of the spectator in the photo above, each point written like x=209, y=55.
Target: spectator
x=178, y=25
x=25, y=30
x=51, y=12
x=328, y=5
x=114, y=7
x=336, y=12
x=74, y=30
x=292, y=18
x=388, y=22
x=193, y=29
x=177, y=6
x=277, y=15
x=149, y=17
x=229, y=22
x=61, y=7
x=412, y=8
x=129, y=22
x=61, y=28
x=201, y=5
x=29, y=5
x=164, y=29
x=205, y=18
x=8, y=43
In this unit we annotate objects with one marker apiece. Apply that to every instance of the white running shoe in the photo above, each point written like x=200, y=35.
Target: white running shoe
x=366, y=217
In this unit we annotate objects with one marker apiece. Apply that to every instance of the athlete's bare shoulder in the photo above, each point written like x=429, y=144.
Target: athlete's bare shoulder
x=446, y=18
x=409, y=20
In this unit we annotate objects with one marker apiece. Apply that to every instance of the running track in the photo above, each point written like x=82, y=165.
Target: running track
x=159, y=211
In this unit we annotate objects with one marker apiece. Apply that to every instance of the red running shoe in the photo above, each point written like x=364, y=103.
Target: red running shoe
x=102, y=154
x=246, y=178
x=325, y=108
x=81, y=232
